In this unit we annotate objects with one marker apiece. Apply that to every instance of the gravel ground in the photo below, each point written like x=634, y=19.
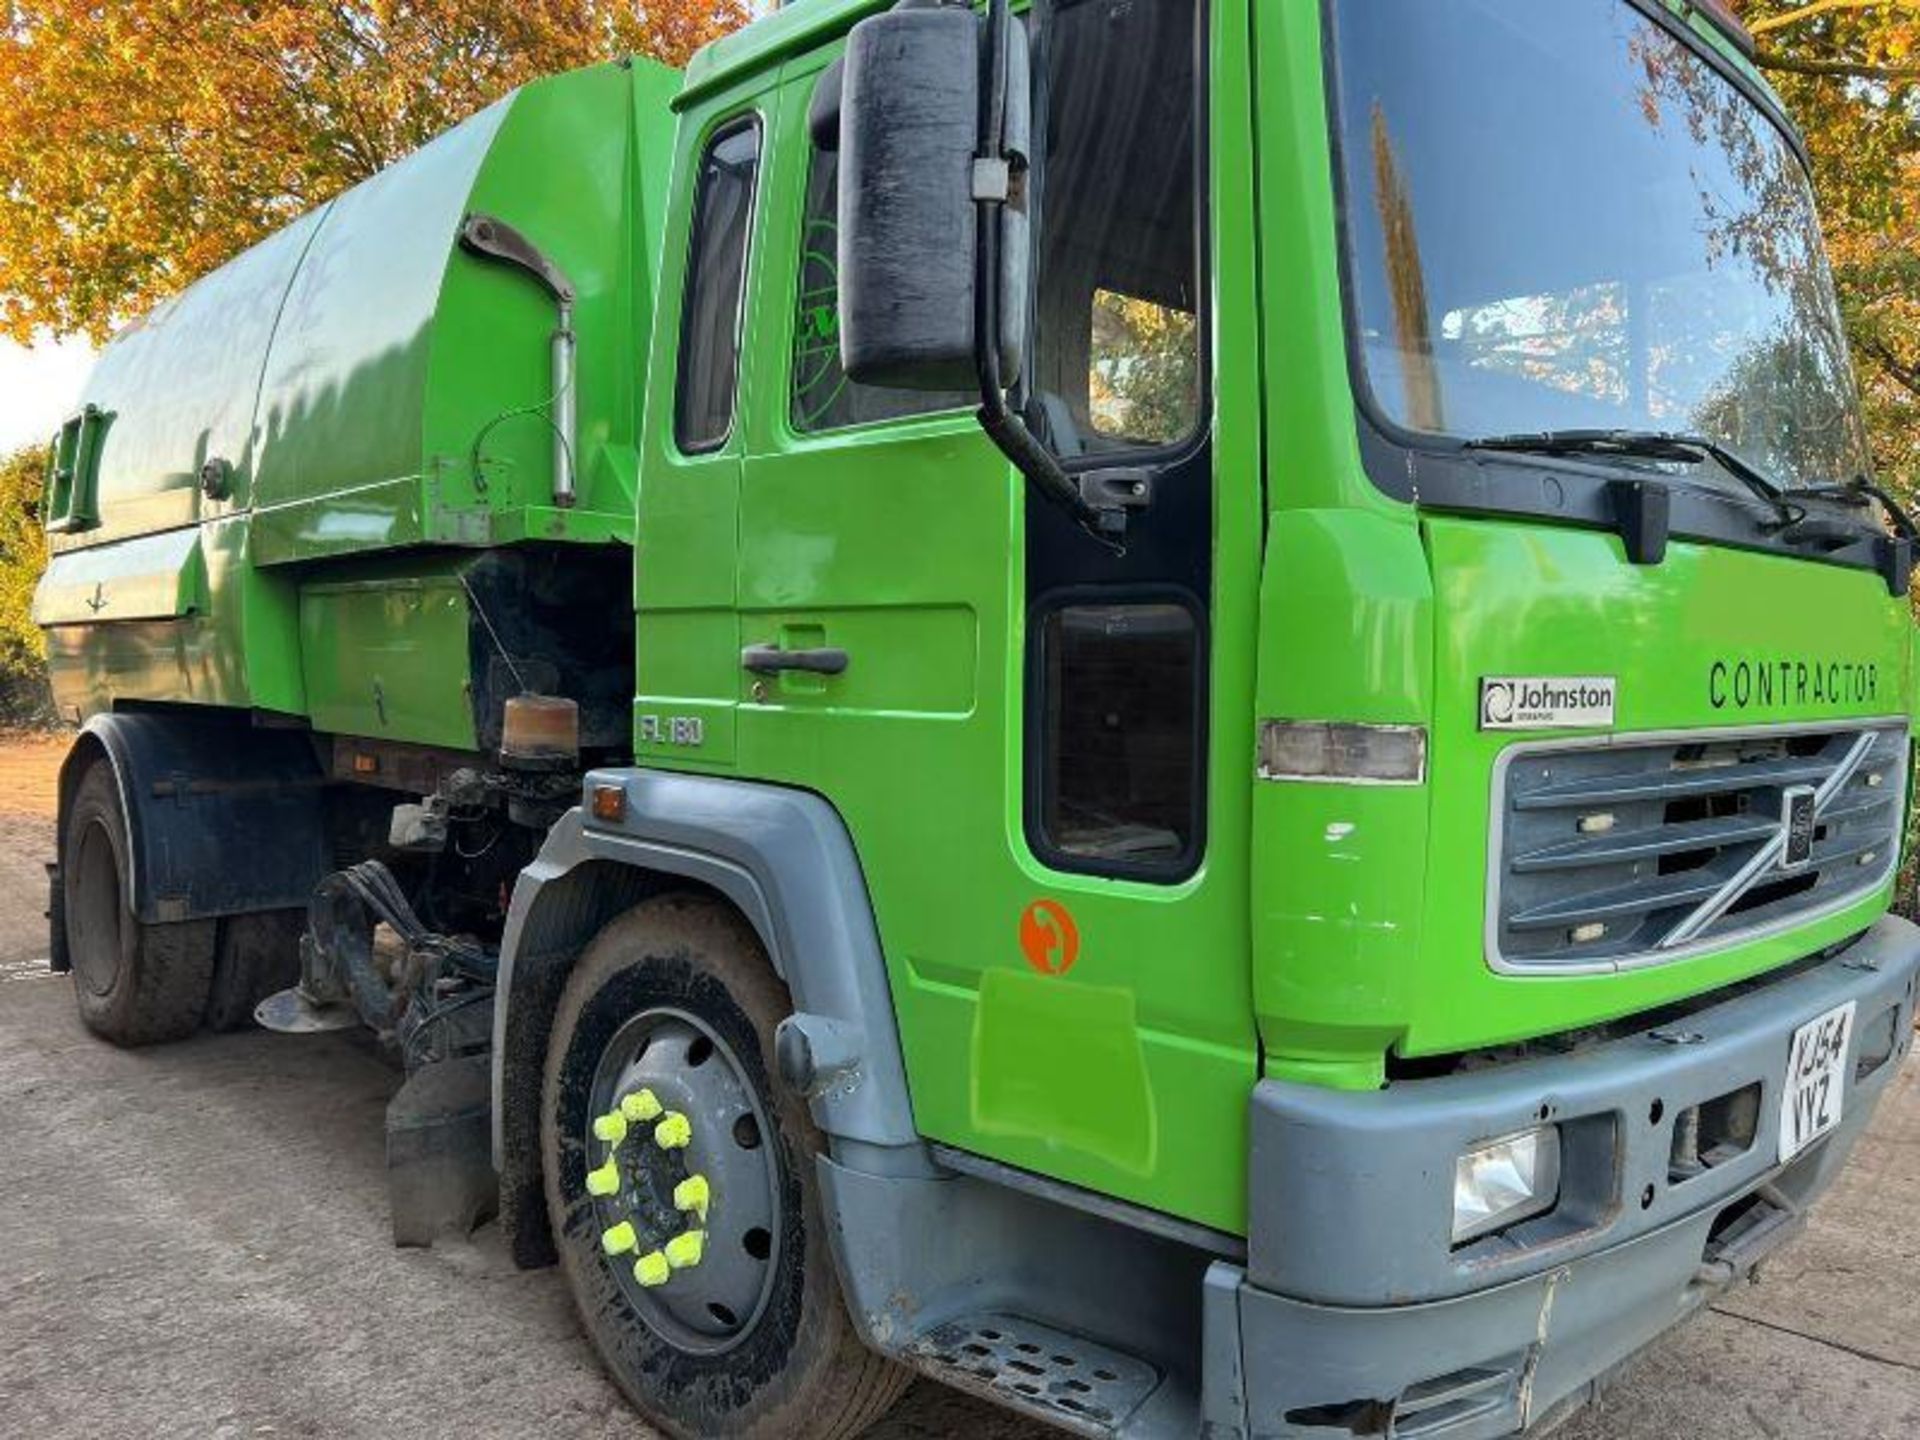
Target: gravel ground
x=193, y=1242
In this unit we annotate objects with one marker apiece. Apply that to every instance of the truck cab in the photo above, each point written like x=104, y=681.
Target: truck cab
x=1271, y=728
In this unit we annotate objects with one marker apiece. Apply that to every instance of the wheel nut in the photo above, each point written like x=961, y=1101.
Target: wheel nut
x=684, y=1251
x=610, y=1127
x=652, y=1269
x=693, y=1193
x=620, y=1239
x=673, y=1132
x=640, y=1107
x=604, y=1181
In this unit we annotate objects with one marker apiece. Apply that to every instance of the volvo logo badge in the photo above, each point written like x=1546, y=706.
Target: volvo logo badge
x=1796, y=826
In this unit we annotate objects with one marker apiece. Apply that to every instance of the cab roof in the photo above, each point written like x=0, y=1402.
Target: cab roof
x=791, y=30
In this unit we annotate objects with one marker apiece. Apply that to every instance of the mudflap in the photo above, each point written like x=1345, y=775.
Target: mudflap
x=223, y=817
x=58, y=959
x=440, y=1178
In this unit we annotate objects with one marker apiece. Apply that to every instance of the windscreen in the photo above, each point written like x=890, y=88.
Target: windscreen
x=1562, y=216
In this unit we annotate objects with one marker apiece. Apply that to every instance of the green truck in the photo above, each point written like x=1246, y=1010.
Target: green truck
x=1195, y=713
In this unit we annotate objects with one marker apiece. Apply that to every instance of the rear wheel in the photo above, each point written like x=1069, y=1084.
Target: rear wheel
x=135, y=984
x=258, y=956
x=658, y=1124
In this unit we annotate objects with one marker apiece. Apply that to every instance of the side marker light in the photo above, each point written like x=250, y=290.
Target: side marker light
x=1343, y=753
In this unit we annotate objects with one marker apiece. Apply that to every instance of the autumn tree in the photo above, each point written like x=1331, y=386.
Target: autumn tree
x=1144, y=378
x=1849, y=71
x=145, y=142
x=22, y=555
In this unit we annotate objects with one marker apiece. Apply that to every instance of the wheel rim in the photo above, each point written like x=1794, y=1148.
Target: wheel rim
x=94, y=917
x=649, y=1180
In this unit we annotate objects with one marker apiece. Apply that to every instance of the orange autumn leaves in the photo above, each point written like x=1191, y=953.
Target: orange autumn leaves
x=145, y=142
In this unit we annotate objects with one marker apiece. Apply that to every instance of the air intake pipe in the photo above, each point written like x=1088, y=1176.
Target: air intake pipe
x=493, y=239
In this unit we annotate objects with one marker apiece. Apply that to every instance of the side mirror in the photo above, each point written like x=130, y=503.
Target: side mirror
x=912, y=187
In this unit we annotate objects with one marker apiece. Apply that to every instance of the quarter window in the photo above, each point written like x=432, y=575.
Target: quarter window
x=716, y=277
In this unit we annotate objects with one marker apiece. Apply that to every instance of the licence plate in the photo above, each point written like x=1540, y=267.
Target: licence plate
x=1816, y=1080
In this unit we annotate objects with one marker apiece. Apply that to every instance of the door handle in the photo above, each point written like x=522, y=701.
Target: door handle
x=771, y=659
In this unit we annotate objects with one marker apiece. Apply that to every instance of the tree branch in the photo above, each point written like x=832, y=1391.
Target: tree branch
x=1821, y=7
x=1905, y=375
x=1844, y=69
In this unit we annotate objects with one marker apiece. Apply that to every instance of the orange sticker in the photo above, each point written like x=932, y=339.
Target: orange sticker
x=1049, y=936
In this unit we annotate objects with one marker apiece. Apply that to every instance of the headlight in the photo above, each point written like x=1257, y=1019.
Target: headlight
x=1501, y=1182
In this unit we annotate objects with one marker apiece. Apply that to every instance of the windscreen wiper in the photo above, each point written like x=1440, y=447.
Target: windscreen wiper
x=1859, y=492
x=1666, y=446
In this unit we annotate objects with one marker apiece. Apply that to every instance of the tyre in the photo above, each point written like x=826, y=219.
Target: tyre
x=258, y=955
x=671, y=1012
x=135, y=984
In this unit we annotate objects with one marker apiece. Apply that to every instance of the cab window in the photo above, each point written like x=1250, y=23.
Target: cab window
x=716, y=277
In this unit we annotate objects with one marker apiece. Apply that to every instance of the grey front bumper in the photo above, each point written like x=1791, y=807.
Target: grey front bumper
x=1354, y=1314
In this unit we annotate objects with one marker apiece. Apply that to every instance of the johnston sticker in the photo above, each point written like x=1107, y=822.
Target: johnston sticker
x=1547, y=702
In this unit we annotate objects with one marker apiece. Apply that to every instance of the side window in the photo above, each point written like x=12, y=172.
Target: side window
x=1118, y=355
x=716, y=276
x=1120, y=745
x=823, y=397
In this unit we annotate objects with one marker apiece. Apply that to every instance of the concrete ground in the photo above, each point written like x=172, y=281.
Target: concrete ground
x=193, y=1242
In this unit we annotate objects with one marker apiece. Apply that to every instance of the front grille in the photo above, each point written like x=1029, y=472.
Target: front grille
x=1640, y=851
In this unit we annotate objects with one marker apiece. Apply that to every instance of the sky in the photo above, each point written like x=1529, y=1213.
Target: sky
x=39, y=388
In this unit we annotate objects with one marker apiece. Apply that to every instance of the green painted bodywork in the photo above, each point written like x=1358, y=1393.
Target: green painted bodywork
x=368, y=648
x=1328, y=926
x=373, y=389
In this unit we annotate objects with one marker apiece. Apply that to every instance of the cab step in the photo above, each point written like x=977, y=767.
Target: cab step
x=1060, y=1378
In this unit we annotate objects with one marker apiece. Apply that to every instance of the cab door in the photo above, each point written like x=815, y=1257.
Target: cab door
x=693, y=438
x=1018, y=726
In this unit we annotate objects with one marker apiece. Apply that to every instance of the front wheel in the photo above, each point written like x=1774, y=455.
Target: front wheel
x=680, y=1187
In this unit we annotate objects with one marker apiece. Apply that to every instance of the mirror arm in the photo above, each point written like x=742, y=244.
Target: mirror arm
x=993, y=190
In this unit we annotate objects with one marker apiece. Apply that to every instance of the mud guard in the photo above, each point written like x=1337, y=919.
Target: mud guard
x=784, y=858
x=224, y=818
